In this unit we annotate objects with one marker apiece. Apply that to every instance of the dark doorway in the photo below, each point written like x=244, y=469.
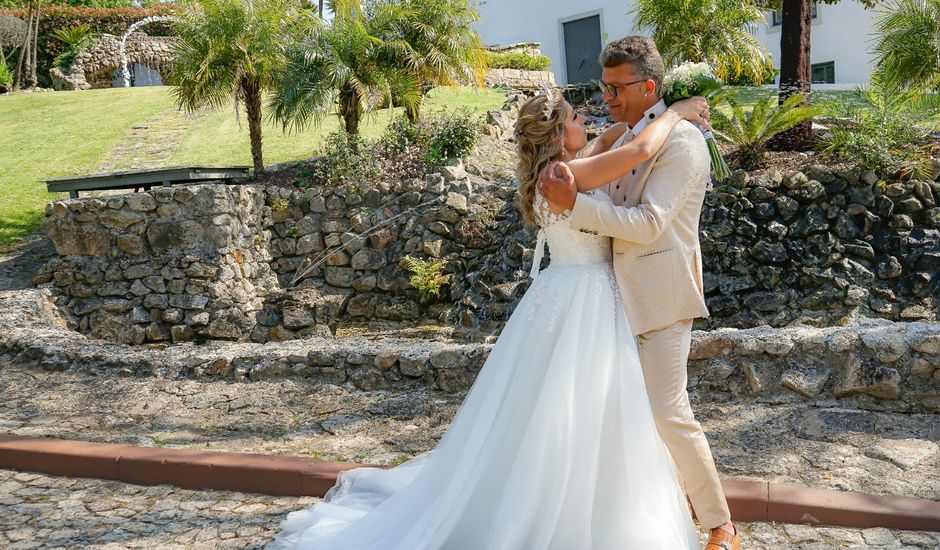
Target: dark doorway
x=582, y=48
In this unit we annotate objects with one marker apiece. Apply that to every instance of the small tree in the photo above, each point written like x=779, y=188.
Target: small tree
x=795, y=68
x=25, y=73
x=346, y=64
x=750, y=131
x=436, y=43
x=716, y=32
x=907, y=42
x=233, y=49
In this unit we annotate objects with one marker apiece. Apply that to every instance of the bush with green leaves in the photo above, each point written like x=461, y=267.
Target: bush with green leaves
x=6, y=76
x=439, y=136
x=884, y=128
x=427, y=277
x=75, y=40
x=750, y=131
x=907, y=42
x=523, y=61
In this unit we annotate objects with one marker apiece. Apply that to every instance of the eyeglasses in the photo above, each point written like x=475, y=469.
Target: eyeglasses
x=612, y=89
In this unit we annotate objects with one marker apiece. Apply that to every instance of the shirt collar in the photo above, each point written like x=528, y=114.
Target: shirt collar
x=648, y=116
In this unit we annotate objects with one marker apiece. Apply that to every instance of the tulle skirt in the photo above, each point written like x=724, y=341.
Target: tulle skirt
x=554, y=447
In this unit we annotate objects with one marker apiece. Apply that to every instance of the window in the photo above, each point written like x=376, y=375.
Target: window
x=776, y=19
x=824, y=73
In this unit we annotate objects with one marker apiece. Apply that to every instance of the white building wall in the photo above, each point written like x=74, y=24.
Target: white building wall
x=841, y=32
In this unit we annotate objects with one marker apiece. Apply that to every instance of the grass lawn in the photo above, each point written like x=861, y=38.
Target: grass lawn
x=57, y=134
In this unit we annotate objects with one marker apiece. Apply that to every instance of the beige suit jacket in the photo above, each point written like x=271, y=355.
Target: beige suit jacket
x=653, y=222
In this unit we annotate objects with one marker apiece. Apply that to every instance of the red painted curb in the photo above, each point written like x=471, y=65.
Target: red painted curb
x=299, y=476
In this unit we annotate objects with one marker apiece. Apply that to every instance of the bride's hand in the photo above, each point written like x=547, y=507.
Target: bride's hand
x=694, y=109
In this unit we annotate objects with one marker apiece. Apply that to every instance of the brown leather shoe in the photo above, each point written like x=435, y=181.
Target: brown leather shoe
x=723, y=540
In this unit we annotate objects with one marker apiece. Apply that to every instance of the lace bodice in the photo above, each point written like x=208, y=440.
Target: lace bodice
x=567, y=245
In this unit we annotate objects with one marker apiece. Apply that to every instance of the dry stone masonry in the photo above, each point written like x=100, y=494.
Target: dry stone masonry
x=174, y=264
x=94, y=67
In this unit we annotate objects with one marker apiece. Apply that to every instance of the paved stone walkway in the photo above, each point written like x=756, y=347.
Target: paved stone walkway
x=151, y=143
x=39, y=511
x=816, y=444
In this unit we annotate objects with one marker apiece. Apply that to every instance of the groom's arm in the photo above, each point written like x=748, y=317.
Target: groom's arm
x=682, y=167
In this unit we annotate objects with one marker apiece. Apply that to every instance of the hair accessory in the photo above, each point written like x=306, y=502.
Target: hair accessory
x=551, y=101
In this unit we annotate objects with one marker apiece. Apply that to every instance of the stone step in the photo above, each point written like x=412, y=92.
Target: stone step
x=880, y=366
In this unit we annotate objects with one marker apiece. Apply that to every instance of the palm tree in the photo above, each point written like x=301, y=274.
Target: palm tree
x=375, y=52
x=344, y=64
x=796, y=18
x=233, y=49
x=907, y=42
x=750, y=131
x=437, y=44
x=713, y=31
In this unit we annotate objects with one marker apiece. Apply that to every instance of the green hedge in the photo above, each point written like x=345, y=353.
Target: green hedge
x=519, y=60
x=100, y=20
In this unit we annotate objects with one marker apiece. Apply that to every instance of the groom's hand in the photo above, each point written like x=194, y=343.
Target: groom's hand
x=557, y=185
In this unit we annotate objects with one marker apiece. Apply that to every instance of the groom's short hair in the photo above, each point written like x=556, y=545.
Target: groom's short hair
x=639, y=51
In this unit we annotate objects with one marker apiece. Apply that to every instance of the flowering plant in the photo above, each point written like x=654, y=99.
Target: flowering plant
x=689, y=80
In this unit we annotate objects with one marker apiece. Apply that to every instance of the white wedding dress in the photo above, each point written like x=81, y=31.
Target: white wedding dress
x=554, y=446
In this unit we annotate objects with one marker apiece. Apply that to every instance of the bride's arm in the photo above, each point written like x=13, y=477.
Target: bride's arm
x=596, y=171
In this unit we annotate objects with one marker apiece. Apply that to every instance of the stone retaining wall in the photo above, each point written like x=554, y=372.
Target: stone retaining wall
x=879, y=366
x=777, y=249
x=518, y=79
x=818, y=245
x=174, y=264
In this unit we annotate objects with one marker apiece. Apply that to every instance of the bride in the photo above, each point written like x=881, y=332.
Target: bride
x=555, y=446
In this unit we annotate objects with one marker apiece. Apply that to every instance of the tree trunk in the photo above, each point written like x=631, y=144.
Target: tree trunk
x=252, y=95
x=32, y=78
x=350, y=107
x=320, y=10
x=795, y=70
x=414, y=113
x=24, y=52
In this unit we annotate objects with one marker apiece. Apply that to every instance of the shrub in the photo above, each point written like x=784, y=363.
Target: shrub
x=519, y=60
x=452, y=135
x=750, y=131
x=6, y=76
x=70, y=36
x=77, y=42
x=883, y=128
x=12, y=31
x=428, y=276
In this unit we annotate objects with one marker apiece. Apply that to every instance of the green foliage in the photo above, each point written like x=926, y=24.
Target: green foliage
x=750, y=131
x=12, y=31
x=6, y=75
x=769, y=76
x=883, y=128
x=70, y=36
x=523, y=61
x=99, y=20
x=439, y=136
x=373, y=52
x=907, y=42
x=716, y=32
x=76, y=39
x=453, y=136
x=428, y=276
x=234, y=50
x=346, y=158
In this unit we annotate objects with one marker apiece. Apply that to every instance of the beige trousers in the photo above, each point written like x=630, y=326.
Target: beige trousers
x=664, y=354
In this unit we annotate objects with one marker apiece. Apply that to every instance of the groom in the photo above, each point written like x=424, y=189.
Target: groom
x=657, y=260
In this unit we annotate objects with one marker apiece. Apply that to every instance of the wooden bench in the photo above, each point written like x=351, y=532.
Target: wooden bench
x=145, y=179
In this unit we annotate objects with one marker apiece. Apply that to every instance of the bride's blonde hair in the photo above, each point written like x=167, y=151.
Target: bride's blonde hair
x=538, y=135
